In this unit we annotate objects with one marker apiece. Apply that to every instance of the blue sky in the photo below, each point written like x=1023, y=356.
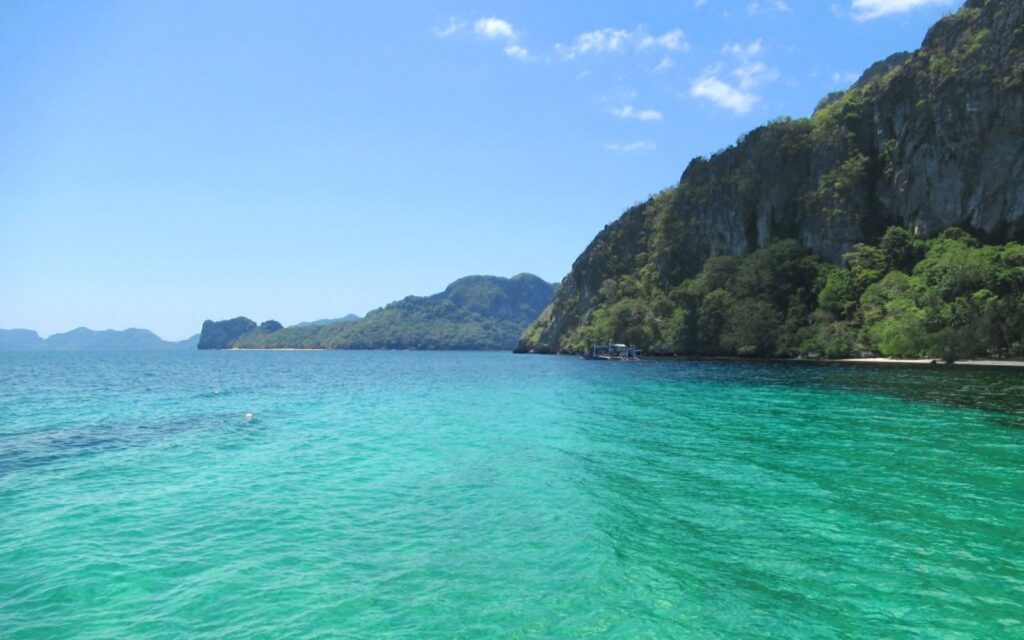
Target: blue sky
x=167, y=162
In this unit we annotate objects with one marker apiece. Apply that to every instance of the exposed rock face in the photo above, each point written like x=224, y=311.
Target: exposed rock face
x=927, y=140
x=220, y=335
x=949, y=128
x=225, y=334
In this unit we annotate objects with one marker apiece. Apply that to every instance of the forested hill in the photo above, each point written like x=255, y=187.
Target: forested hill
x=923, y=142
x=476, y=312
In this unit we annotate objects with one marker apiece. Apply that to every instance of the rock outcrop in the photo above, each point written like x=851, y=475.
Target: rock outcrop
x=222, y=334
x=927, y=141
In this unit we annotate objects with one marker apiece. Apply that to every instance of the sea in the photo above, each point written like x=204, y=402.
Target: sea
x=421, y=495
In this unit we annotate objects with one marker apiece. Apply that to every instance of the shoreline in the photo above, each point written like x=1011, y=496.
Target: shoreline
x=980, y=362
x=973, y=362
x=913, y=362
x=270, y=349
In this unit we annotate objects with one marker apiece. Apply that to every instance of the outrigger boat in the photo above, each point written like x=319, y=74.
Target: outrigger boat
x=611, y=351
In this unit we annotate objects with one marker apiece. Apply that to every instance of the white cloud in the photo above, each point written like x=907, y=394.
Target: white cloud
x=495, y=28
x=454, y=26
x=752, y=74
x=743, y=51
x=516, y=51
x=610, y=40
x=666, y=63
x=673, y=40
x=748, y=73
x=768, y=6
x=699, y=3
x=723, y=94
x=639, y=145
x=600, y=41
x=871, y=9
x=629, y=113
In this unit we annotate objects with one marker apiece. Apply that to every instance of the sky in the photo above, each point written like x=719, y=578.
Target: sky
x=166, y=162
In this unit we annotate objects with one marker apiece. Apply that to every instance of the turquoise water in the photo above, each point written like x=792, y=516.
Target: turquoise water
x=477, y=495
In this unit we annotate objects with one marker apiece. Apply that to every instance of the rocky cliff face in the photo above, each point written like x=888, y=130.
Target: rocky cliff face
x=223, y=333
x=927, y=141
x=948, y=129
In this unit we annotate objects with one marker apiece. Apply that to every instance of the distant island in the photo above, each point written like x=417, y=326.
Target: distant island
x=472, y=313
x=83, y=339
x=888, y=223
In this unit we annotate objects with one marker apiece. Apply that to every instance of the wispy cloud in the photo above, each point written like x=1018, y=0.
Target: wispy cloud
x=871, y=9
x=516, y=51
x=743, y=51
x=734, y=90
x=665, y=64
x=629, y=113
x=845, y=77
x=609, y=40
x=639, y=145
x=754, y=73
x=454, y=26
x=600, y=41
x=493, y=28
x=674, y=40
x=768, y=6
x=749, y=71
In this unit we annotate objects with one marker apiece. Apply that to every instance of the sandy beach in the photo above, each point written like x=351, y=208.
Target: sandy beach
x=926, y=361
x=274, y=349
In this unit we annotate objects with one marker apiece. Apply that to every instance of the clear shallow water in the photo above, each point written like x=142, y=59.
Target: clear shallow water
x=474, y=495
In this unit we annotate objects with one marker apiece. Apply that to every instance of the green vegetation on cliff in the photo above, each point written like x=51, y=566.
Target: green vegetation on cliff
x=476, y=312
x=735, y=259
x=945, y=297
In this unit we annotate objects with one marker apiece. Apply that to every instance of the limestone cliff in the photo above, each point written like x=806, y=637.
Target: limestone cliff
x=222, y=334
x=927, y=141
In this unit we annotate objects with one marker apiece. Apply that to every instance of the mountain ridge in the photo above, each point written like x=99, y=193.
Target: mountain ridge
x=85, y=339
x=351, y=317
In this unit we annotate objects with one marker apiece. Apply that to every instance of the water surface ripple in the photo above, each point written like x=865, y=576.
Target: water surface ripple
x=475, y=495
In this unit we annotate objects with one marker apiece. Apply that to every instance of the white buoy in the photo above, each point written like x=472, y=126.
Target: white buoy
x=249, y=416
